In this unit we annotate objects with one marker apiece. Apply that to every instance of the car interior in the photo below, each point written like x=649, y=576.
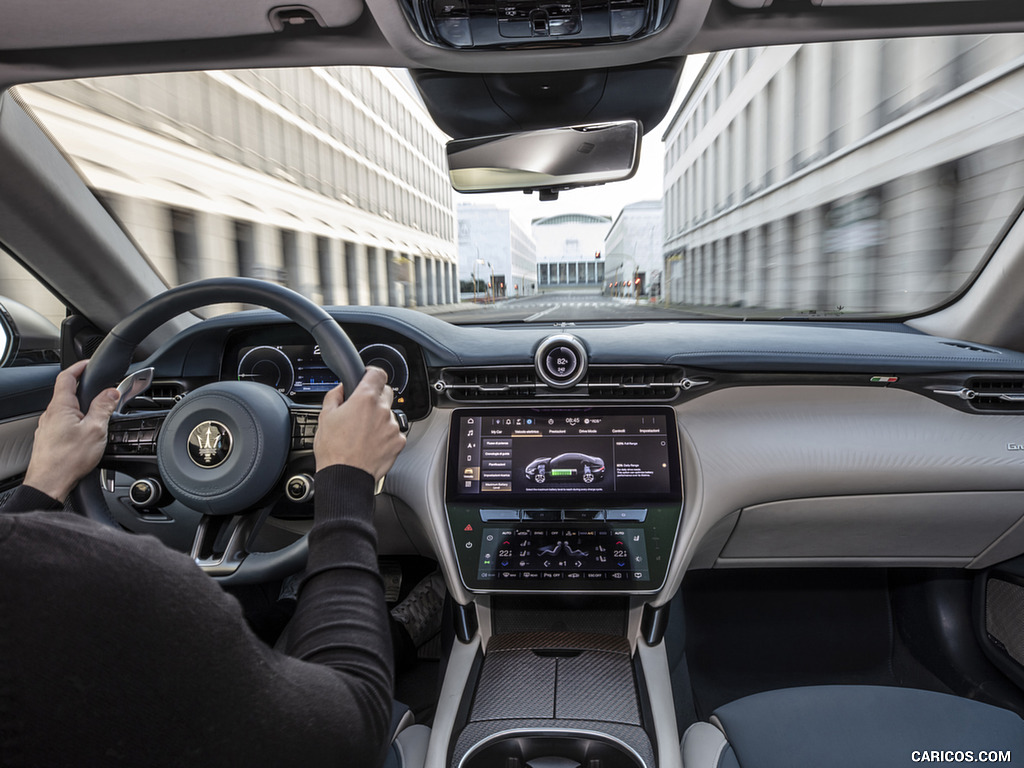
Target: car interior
x=722, y=541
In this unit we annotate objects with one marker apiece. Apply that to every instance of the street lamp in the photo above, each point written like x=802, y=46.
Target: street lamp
x=481, y=261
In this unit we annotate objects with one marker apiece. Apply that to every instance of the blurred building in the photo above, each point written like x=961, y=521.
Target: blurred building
x=570, y=251
x=496, y=251
x=632, y=250
x=331, y=181
x=861, y=176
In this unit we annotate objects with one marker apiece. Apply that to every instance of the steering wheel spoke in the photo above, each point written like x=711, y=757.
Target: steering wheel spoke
x=220, y=545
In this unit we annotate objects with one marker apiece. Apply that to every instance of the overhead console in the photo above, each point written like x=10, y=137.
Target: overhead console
x=483, y=24
x=566, y=499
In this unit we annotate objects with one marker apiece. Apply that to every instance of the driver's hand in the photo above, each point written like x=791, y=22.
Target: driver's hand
x=68, y=444
x=360, y=431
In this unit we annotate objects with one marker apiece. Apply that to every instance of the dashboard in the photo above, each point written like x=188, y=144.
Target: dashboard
x=611, y=458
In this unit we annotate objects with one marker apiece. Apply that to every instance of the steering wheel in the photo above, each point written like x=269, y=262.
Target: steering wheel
x=223, y=447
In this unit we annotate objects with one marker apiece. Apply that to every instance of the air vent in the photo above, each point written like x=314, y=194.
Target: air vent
x=601, y=382
x=969, y=347
x=476, y=384
x=641, y=383
x=996, y=394
x=164, y=394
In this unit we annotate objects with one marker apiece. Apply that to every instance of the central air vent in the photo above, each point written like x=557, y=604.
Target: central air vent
x=640, y=383
x=561, y=361
x=995, y=394
x=474, y=384
x=604, y=382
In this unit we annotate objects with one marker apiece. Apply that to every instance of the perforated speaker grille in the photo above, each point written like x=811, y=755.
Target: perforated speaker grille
x=1004, y=616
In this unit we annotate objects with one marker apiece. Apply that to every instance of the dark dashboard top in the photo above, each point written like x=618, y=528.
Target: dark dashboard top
x=725, y=345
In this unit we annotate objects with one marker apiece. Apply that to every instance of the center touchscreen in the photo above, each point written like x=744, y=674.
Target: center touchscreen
x=563, y=498
x=549, y=457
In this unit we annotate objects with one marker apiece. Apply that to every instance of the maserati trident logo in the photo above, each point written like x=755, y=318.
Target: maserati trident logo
x=209, y=444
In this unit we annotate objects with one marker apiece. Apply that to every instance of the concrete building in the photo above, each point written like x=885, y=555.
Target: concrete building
x=331, y=181
x=570, y=252
x=862, y=176
x=494, y=249
x=632, y=250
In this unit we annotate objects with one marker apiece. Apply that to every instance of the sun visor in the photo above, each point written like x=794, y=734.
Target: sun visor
x=29, y=24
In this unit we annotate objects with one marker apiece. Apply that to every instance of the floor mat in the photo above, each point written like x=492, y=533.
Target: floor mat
x=752, y=631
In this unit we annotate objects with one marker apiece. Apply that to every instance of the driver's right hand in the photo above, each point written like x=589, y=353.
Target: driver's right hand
x=360, y=431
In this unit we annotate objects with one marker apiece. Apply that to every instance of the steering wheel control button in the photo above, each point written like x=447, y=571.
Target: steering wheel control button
x=145, y=493
x=299, y=488
x=133, y=437
x=561, y=361
x=209, y=444
x=304, y=426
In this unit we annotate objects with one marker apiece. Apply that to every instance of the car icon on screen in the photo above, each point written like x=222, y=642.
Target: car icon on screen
x=566, y=468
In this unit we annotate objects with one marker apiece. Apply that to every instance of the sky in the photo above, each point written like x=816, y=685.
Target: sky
x=607, y=199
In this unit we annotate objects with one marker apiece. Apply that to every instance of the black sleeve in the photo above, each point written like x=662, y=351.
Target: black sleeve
x=341, y=619
x=27, y=499
x=165, y=669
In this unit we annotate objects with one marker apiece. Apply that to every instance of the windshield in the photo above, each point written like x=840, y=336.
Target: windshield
x=840, y=181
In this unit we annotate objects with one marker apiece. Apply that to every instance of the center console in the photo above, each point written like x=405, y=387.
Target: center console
x=563, y=499
x=560, y=519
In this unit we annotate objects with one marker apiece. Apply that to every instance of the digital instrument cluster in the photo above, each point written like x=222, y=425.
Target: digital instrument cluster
x=287, y=360
x=297, y=369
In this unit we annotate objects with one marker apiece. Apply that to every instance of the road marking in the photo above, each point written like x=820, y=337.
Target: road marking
x=537, y=315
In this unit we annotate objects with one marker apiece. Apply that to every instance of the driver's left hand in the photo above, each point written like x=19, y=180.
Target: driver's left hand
x=68, y=444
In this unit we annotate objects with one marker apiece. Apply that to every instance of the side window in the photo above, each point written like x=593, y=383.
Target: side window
x=30, y=318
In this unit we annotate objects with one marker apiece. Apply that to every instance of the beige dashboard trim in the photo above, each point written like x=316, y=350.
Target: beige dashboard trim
x=754, y=445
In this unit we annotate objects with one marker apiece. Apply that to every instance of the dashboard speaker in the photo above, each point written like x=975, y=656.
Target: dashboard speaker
x=1004, y=617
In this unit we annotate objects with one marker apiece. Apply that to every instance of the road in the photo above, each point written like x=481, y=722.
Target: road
x=564, y=307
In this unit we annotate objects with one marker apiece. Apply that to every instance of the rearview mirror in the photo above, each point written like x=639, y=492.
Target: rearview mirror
x=548, y=160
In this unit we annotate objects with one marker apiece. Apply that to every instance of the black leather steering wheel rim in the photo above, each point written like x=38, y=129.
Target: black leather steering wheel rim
x=113, y=357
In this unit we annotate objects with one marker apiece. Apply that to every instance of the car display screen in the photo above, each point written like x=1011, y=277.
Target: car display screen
x=596, y=456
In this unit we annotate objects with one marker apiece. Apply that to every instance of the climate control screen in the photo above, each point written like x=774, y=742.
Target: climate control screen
x=590, y=553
